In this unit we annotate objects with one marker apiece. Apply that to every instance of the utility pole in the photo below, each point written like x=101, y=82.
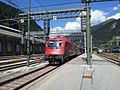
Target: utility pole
x=28, y=35
x=88, y=34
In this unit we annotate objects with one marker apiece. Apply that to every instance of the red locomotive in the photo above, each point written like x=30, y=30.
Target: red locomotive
x=58, y=49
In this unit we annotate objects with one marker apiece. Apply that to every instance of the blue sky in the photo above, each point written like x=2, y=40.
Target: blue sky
x=100, y=11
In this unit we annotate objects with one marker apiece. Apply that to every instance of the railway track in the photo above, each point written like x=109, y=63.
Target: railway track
x=8, y=58
x=18, y=62
x=18, y=80
x=112, y=58
x=16, y=65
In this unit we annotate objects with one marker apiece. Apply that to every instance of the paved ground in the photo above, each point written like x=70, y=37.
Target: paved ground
x=106, y=76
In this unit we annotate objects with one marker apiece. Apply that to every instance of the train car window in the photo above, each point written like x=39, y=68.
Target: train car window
x=55, y=44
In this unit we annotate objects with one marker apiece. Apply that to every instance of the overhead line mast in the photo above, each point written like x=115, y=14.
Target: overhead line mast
x=28, y=34
x=88, y=33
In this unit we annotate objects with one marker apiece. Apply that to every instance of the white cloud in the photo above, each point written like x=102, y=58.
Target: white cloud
x=56, y=29
x=83, y=13
x=115, y=8
x=78, y=20
x=72, y=26
x=97, y=17
x=75, y=25
x=116, y=16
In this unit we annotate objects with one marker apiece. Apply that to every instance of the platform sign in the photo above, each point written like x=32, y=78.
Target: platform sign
x=54, y=17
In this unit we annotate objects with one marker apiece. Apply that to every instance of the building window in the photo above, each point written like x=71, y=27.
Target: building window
x=0, y=46
x=9, y=47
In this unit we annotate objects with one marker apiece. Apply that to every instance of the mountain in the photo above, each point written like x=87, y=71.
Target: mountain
x=104, y=32
x=8, y=12
x=76, y=37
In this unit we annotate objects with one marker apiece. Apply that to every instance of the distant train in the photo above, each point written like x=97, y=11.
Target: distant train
x=59, y=49
x=115, y=49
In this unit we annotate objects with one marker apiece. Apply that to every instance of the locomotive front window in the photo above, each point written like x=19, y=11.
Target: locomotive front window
x=56, y=44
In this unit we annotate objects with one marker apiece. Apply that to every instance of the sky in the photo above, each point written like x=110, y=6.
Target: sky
x=100, y=11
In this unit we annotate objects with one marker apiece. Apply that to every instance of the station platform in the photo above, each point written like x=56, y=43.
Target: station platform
x=76, y=75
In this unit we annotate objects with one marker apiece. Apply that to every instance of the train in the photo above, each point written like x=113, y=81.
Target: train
x=59, y=49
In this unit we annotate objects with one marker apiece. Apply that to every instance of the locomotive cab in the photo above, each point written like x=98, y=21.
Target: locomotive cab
x=54, y=50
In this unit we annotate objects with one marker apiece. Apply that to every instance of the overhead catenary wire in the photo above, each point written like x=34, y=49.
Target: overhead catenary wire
x=38, y=2
x=11, y=2
x=19, y=4
x=48, y=5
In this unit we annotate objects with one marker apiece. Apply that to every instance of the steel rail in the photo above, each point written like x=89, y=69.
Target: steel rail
x=110, y=59
x=18, y=81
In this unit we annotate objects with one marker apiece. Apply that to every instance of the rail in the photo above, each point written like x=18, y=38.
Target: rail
x=111, y=57
x=17, y=81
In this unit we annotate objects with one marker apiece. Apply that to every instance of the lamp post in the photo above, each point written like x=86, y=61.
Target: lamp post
x=28, y=35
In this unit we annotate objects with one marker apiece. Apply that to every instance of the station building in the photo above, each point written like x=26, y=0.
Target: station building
x=13, y=40
x=11, y=43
